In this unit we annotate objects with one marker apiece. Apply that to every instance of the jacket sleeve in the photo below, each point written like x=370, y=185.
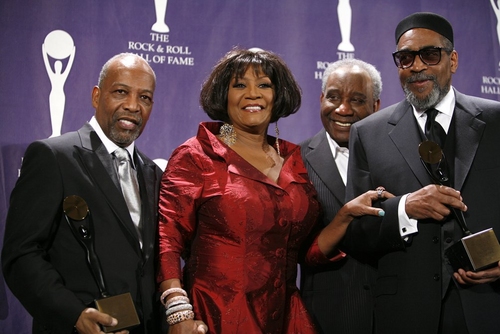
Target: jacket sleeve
x=369, y=234
x=34, y=216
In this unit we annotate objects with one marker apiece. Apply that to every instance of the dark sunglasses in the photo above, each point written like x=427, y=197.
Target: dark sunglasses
x=429, y=56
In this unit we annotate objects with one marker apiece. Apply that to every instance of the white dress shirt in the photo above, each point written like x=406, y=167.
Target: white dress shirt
x=340, y=155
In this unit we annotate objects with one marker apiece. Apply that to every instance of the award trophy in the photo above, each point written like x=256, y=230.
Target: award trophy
x=473, y=252
x=120, y=307
x=160, y=9
x=58, y=45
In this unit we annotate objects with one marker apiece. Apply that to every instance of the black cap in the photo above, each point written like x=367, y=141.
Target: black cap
x=429, y=21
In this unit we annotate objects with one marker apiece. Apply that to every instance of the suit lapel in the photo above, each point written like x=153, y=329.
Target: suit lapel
x=469, y=130
x=406, y=137
x=99, y=165
x=149, y=194
x=321, y=160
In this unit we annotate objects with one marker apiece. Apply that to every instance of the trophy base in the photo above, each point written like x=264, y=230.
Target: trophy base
x=120, y=307
x=475, y=252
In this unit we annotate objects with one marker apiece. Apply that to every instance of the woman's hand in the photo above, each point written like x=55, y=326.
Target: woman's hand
x=362, y=205
x=189, y=327
x=173, y=288
x=331, y=235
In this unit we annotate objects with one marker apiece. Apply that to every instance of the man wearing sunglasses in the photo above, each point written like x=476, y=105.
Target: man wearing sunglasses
x=416, y=290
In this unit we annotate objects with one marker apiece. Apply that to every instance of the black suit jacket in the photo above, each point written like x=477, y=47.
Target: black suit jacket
x=384, y=152
x=338, y=295
x=43, y=263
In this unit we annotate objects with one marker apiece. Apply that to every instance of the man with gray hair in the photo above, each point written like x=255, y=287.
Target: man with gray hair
x=337, y=293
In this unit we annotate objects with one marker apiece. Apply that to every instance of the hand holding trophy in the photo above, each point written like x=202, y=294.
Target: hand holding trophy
x=120, y=306
x=473, y=252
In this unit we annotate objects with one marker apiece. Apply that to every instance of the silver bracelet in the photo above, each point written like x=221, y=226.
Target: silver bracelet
x=170, y=291
x=176, y=301
x=181, y=307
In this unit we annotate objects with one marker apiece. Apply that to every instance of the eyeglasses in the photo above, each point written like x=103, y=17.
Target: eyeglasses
x=429, y=56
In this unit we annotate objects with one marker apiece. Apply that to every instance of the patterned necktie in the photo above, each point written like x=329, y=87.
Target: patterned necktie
x=130, y=188
x=433, y=130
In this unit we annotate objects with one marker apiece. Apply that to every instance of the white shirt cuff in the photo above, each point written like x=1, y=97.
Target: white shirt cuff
x=407, y=226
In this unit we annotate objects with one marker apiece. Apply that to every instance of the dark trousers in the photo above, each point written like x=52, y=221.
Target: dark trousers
x=452, y=319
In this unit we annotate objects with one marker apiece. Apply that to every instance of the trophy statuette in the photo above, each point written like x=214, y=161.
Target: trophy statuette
x=473, y=252
x=120, y=306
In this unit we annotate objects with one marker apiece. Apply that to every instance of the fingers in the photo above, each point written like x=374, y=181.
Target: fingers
x=105, y=319
x=480, y=277
x=362, y=205
x=433, y=201
x=201, y=327
x=90, y=318
x=468, y=277
x=451, y=197
x=382, y=193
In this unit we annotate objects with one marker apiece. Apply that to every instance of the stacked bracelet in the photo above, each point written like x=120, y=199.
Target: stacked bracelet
x=181, y=307
x=178, y=308
x=176, y=301
x=168, y=292
x=180, y=316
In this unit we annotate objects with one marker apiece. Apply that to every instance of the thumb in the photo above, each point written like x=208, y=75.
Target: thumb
x=201, y=327
x=107, y=320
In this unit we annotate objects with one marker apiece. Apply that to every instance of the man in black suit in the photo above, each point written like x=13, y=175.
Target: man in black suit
x=338, y=294
x=417, y=291
x=44, y=264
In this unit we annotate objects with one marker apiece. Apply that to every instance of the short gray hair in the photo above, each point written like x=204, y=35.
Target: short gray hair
x=105, y=67
x=350, y=62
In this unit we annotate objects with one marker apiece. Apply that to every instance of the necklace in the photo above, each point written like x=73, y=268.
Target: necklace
x=275, y=161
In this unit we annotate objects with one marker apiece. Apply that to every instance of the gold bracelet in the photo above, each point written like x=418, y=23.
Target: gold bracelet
x=180, y=316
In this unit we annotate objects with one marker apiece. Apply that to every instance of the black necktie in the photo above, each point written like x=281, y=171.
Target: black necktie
x=433, y=130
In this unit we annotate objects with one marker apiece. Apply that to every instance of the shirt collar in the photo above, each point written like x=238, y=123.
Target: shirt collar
x=446, y=105
x=110, y=146
x=334, y=147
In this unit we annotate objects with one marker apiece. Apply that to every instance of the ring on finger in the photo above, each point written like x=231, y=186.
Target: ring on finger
x=380, y=190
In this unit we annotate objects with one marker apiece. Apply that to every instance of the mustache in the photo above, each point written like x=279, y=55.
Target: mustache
x=137, y=119
x=420, y=77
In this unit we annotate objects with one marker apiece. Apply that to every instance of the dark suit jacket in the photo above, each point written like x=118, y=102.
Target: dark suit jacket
x=384, y=152
x=338, y=295
x=43, y=263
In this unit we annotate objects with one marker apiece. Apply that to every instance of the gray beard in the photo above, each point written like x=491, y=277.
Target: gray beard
x=430, y=101
x=121, y=139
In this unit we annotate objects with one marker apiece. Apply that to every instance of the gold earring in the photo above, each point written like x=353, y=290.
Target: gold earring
x=227, y=134
x=277, y=138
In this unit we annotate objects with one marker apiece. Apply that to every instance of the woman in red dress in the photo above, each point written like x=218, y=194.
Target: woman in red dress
x=236, y=204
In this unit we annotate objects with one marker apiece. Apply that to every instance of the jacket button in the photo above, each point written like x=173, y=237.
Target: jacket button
x=436, y=277
x=282, y=223
x=280, y=253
